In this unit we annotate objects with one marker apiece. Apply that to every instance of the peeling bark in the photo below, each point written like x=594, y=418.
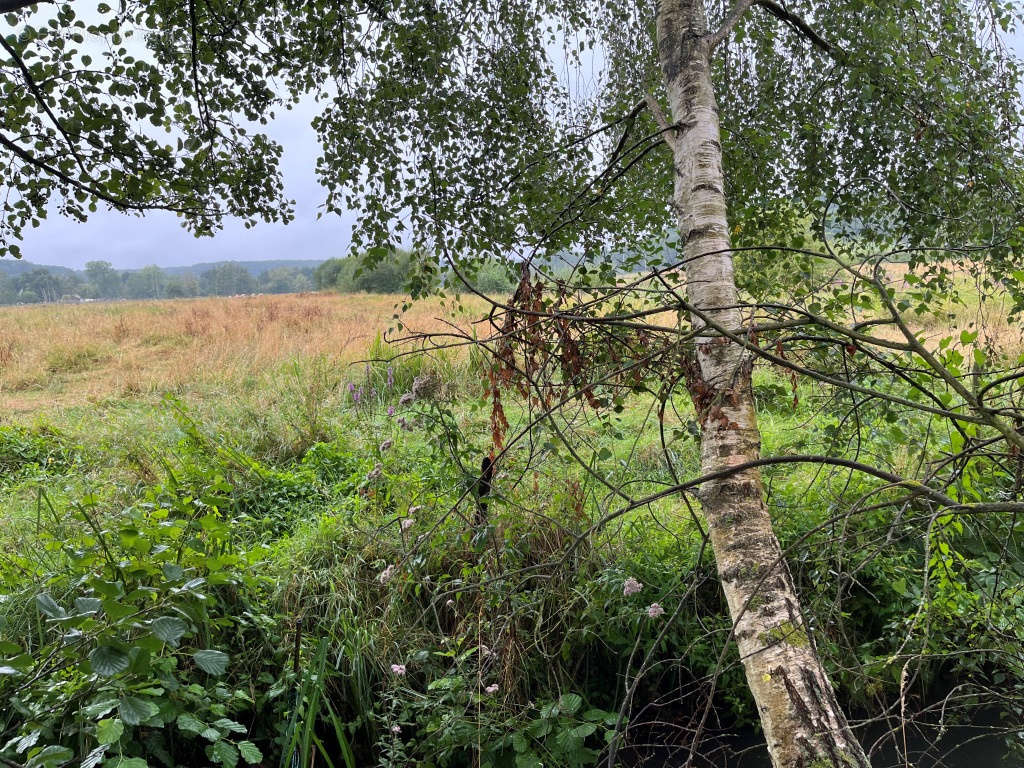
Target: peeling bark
x=803, y=724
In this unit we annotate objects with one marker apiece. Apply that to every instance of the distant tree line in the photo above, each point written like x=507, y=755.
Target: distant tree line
x=100, y=280
x=391, y=275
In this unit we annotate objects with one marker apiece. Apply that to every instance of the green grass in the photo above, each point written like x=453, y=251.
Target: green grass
x=270, y=494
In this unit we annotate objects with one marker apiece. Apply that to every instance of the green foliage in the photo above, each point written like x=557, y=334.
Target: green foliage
x=23, y=449
x=173, y=599
x=114, y=654
x=388, y=271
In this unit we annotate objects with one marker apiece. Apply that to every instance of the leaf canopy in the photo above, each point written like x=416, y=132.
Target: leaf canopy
x=474, y=129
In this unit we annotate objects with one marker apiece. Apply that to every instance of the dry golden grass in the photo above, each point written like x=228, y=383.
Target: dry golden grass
x=62, y=355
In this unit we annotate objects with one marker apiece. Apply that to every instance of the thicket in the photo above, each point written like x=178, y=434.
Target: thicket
x=249, y=587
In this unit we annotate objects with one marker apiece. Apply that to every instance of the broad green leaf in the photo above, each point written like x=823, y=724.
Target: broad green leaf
x=49, y=606
x=20, y=743
x=127, y=762
x=250, y=752
x=225, y=753
x=134, y=710
x=107, y=661
x=169, y=629
x=190, y=724
x=50, y=757
x=99, y=708
x=229, y=726
x=570, y=702
x=213, y=662
x=95, y=757
x=584, y=730
x=109, y=730
x=88, y=605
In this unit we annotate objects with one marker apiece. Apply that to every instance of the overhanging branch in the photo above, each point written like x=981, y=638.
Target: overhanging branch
x=801, y=27
x=6, y=6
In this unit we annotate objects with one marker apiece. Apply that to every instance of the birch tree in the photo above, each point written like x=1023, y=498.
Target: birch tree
x=681, y=135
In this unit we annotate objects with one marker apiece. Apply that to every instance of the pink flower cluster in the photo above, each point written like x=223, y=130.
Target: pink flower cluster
x=631, y=586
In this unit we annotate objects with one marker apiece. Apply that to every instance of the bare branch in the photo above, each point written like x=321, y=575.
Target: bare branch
x=801, y=27
x=730, y=21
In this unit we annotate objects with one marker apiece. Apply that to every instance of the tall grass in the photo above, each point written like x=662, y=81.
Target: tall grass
x=59, y=356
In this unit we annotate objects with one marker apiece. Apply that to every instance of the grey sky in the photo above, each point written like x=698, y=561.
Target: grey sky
x=158, y=238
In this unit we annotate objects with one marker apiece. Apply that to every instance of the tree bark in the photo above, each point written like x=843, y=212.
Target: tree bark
x=803, y=723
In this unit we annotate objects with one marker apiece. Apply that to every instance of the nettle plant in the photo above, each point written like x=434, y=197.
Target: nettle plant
x=110, y=658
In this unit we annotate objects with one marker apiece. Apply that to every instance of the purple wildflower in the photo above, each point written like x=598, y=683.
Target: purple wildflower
x=407, y=523
x=398, y=669
x=491, y=689
x=396, y=729
x=405, y=399
x=391, y=410
x=386, y=575
x=391, y=377
x=385, y=445
x=654, y=610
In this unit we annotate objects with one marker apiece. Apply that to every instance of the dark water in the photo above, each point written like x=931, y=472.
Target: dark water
x=980, y=744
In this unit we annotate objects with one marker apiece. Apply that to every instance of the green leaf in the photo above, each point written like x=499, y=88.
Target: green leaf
x=229, y=726
x=109, y=730
x=570, y=702
x=20, y=744
x=134, y=710
x=128, y=762
x=99, y=708
x=49, y=606
x=584, y=730
x=95, y=757
x=169, y=629
x=190, y=724
x=213, y=662
x=250, y=752
x=224, y=752
x=51, y=757
x=107, y=660
x=88, y=605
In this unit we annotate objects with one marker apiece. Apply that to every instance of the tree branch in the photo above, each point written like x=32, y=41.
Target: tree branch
x=801, y=27
x=730, y=21
x=117, y=202
x=41, y=101
x=6, y=6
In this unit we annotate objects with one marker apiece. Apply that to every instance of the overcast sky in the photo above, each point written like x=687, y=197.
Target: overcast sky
x=158, y=238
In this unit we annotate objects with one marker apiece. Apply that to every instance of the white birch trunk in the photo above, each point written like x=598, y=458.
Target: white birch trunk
x=803, y=724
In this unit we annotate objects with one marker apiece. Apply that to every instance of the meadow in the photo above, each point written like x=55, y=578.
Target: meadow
x=231, y=533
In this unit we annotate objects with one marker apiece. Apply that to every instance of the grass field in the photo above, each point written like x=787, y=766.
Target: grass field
x=58, y=356
x=147, y=446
